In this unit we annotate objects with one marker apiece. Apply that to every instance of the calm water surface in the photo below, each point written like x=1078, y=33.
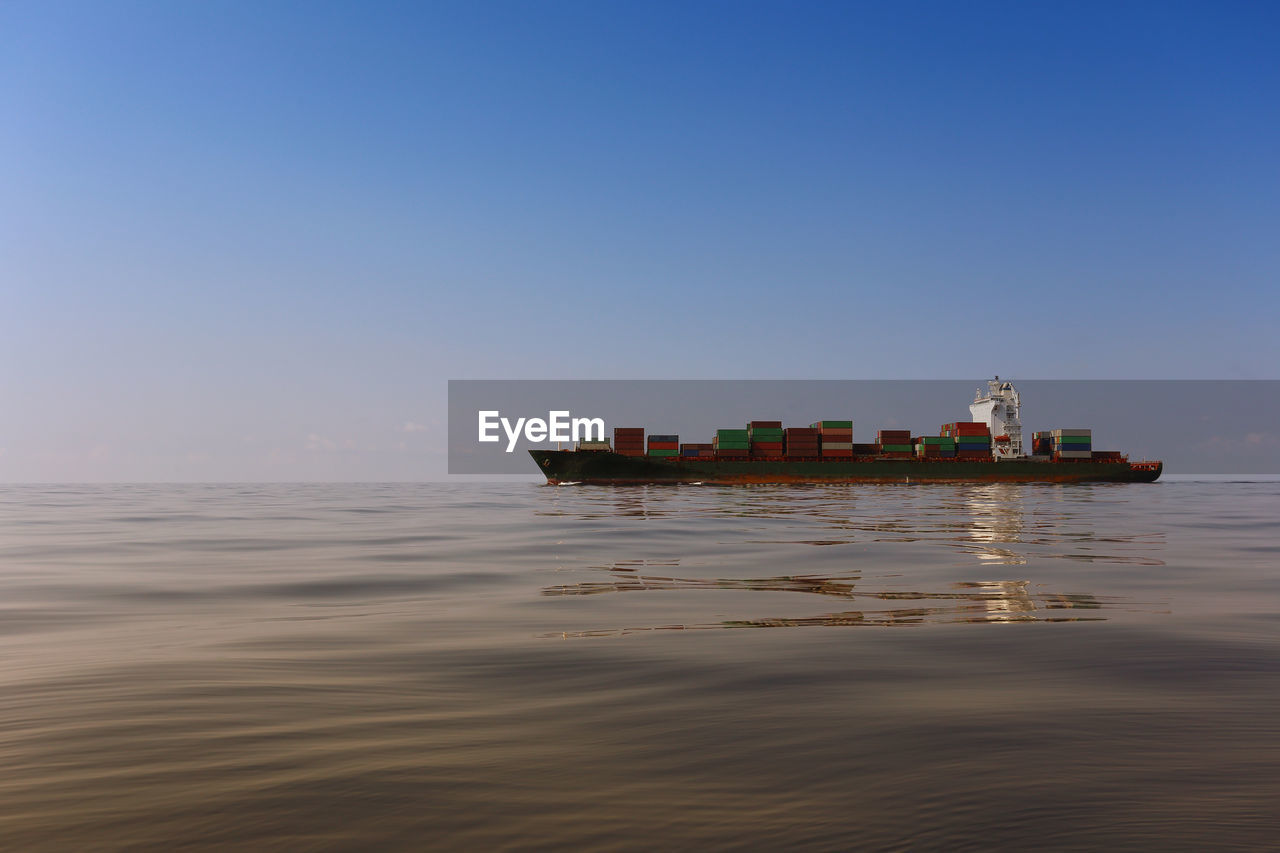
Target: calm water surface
x=514, y=666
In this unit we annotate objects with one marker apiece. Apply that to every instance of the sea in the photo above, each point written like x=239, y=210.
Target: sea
x=519, y=666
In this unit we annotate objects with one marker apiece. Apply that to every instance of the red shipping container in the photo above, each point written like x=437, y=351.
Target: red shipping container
x=728, y=452
x=764, y=425
x=767, y=453
x=838, y=454
x=965, y=428
x=766, y=445
x=893, y=436
x=664, y=445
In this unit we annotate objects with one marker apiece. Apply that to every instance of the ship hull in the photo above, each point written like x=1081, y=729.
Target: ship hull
x=582, y=466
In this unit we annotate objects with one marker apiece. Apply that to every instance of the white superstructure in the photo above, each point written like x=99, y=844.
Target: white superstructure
x=1000, y=409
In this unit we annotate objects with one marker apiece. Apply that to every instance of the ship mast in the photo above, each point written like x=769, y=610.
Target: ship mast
x=1000, y=408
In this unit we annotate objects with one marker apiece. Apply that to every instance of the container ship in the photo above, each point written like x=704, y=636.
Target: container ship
x=986, y=448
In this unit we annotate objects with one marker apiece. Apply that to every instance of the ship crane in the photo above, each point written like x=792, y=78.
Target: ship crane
x=1000, y=408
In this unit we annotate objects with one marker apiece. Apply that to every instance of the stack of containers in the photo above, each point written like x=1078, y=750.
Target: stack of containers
x=973, y=439
x=765, y=438
x=1072, y=443
x=835, y=438
x=1042, y=443
x=800, y=441
x=698, y=450
x=628, y=441
x=732, y=442
x=664, y=445
x=894, y=442
x=936, y=447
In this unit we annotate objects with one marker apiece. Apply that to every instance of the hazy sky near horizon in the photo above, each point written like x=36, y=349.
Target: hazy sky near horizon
x=252, y=241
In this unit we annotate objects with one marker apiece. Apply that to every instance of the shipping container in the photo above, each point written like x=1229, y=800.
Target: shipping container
x=896, y=448
x=956, y=428
x=832, y=425
x=764, y=424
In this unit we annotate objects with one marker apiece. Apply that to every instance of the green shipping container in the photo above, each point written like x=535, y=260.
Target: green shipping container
x=832, y=425
x=664, y=452
x=896, y=448
x=731, y=434
x=938, y=439
x=733, y=445
x=1075, y=439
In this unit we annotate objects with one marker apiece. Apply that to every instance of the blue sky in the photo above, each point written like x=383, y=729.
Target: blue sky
x=253, y=240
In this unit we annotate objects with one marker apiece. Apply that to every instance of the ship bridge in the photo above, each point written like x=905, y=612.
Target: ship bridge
x=1000, y=408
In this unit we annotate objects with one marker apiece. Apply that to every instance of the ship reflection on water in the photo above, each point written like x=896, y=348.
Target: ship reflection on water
x=993, y=525
x=970, y=601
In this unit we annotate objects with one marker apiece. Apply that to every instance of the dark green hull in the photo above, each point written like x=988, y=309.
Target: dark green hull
x=589, y=466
